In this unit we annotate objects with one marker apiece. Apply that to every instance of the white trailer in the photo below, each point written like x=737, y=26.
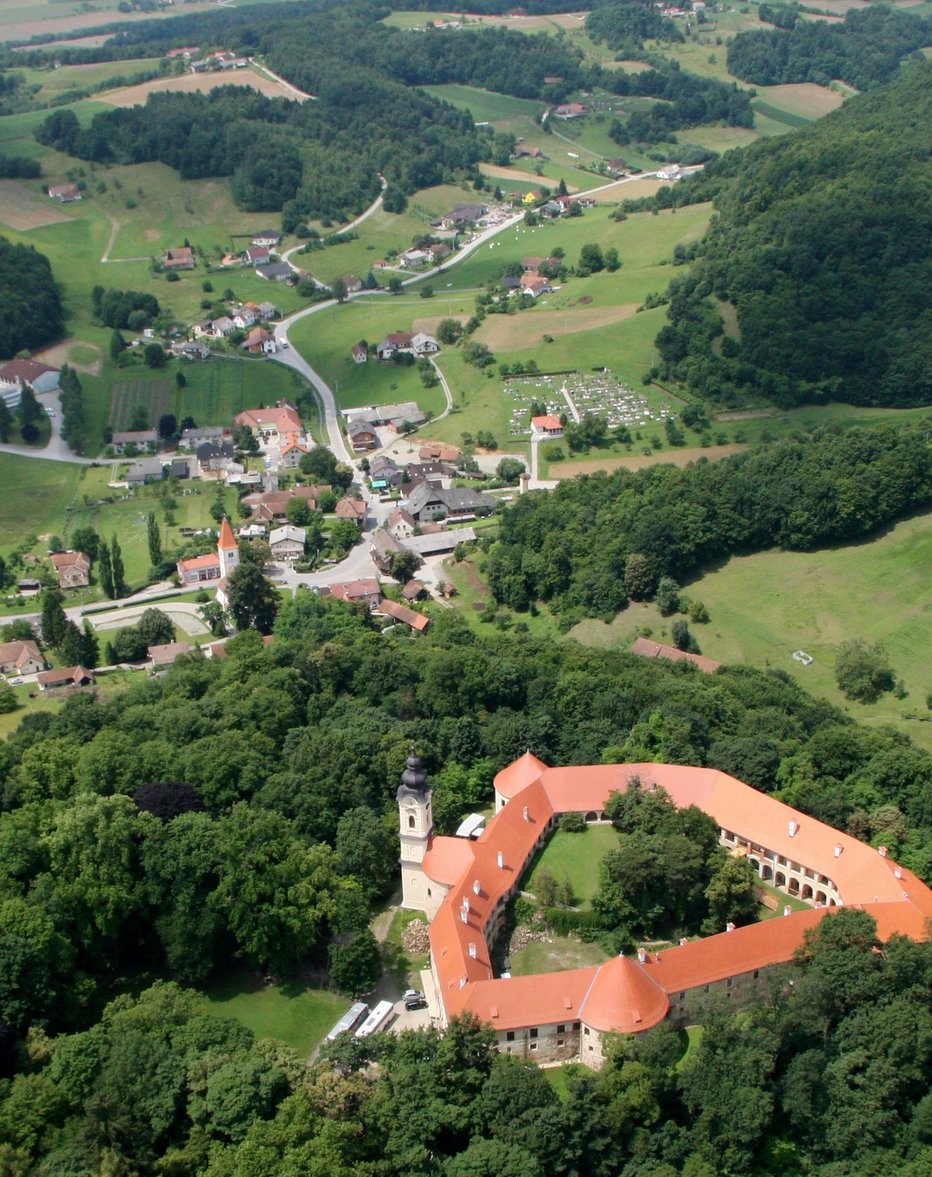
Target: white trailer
x=380, y=1017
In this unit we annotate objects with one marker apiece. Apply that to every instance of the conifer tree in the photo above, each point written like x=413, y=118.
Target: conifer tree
x=104, y=569
x=116, y=568
x=53, y=617
x=155, y=541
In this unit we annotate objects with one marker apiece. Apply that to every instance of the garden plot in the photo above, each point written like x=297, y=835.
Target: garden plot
x=577, y=394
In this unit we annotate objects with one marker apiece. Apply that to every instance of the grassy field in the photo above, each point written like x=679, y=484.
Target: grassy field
x=763, y=607
x=486, y=106
x=294, y=1013
x=35, y=497
x=576, y=858
x=326, y=339
x=53, y=83
x=561, y=953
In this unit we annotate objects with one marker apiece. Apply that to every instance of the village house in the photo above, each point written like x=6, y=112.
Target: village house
x=276, y=272
x=352, y=284
x=535, y=284
x=291, y=450
x=440, y=473
x=287, y=543
x=15, y=373
x=547, y=426
x=244, y=318
x=260, y=342
x=647, y=648
x=214, y=456
x=397, y=612
x=412, y=258
x=65, y=193
x=463, y=886
x=258, y=255
x=163, y=657
x=20, y=657
x=354, y=509
x=464, y=215
x=267, y=311
x=414, y=590
x=360, y=353
x=268, y=506
x=269, y=424
x=179, y=259
x=417, y=343
x=218, y=328
x=66, y=676
x=439, y=251
x=73, y=569
x=143, y=471
x=438, y=542
x=139, y=440
x=362, y=435
x=432, y=451
x=427, y=502
x=384, y=472
x=364, y=591
x=570, y=110
x=407, y=412
x=193, y=350
x=192, y=438
x=383, y=547
x=267, y=237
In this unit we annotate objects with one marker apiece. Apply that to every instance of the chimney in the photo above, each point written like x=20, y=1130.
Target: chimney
x=897, y=874
x=729, y=927
x=464, y=916
x=793, y=828
x=838, y=849
x=787, y=910
x=500, y=859
x=466, y=905
x=883, y=851
x=472, y=951
x=683, y=941
x=462, y=982
x=527, y=814
x=642, y=956
x=476, y=888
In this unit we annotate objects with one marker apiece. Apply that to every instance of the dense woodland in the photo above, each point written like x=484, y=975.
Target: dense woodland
x=864, y=50
x=574, y=547
x=830, y=274
x=31, y=312
x=244, y=810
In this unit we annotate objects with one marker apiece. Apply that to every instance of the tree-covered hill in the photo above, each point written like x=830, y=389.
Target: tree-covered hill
x=822, y=243
x=245, y=809
x=864, y=50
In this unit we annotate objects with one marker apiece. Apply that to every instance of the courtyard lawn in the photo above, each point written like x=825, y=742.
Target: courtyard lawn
x=765, y=606
x=562, y=953
x=575, y=857
x=783, y=900
x=294, y=1012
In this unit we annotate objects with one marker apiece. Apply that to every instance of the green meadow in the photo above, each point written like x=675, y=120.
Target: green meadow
x=35, y=497
x=575, y=858
x=765, y=606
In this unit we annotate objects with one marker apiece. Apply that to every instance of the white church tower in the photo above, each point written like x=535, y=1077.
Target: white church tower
x=227, y=549
x=416, y=825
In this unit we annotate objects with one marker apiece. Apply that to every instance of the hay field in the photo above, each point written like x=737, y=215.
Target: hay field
x=202, y=83
x=14, y=28
x=528, y=328
x=804, y=98
x=26, y=208
x=628, y=190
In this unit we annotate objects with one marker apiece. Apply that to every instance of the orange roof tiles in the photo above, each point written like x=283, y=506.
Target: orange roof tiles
x=227, y=539
x=648, y=649
x=624, y=998
x=417, y=621
x=626, y=995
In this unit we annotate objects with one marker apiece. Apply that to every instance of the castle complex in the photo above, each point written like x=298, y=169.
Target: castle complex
x=463, y=886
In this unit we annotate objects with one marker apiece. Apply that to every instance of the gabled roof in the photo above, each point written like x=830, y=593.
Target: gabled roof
x=20, y=652
x=28, y=370
x=651, y=649
x=63, y=560
x=402, y=613
x=65, y=676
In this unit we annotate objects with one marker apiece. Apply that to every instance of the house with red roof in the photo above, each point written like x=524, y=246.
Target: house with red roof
x=20, y=657
x=547, y=425
x=647, y=648
x=269, y=424
x=463, y=886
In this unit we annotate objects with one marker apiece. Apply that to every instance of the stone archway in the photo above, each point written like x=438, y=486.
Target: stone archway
x=779, y=879
x=793, y=886
x=767, y=873
x=806, y=892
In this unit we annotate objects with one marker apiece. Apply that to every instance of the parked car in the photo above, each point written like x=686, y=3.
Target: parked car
x=413, y=1003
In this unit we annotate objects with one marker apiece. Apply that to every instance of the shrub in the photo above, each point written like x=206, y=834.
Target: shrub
x=573, y=823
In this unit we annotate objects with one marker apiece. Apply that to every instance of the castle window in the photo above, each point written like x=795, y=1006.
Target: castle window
x=510, y=1036
x=533, y=1046
x=756, y=974
x=586, y=1032
x=533, y=1032
x=561, y=1043
x=729, y=983
x=576, y=1026
x=410, y=821
x=561, y=1029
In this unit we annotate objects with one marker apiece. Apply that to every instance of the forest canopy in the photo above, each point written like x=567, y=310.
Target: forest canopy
x=821, y=245
x=30, y=305
x=864, y=50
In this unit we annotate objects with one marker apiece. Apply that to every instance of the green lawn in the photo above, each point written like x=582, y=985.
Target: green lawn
x=575, y=857
x=558, y=1078
x=693, y=1036
x=765, y=606
x=783, y=900
x=35, y=495
x=327, y=337
x=294, y=1013
x=55, y=82
x=485, y=106
x=564, y=952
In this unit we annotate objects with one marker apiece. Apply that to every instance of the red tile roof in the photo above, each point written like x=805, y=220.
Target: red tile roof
x=227, y=539
x=631, y=995
x=548, y=422
x=650, y=649
x=402, y=613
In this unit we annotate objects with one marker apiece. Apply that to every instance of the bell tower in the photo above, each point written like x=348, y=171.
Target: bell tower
x=416, y=825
